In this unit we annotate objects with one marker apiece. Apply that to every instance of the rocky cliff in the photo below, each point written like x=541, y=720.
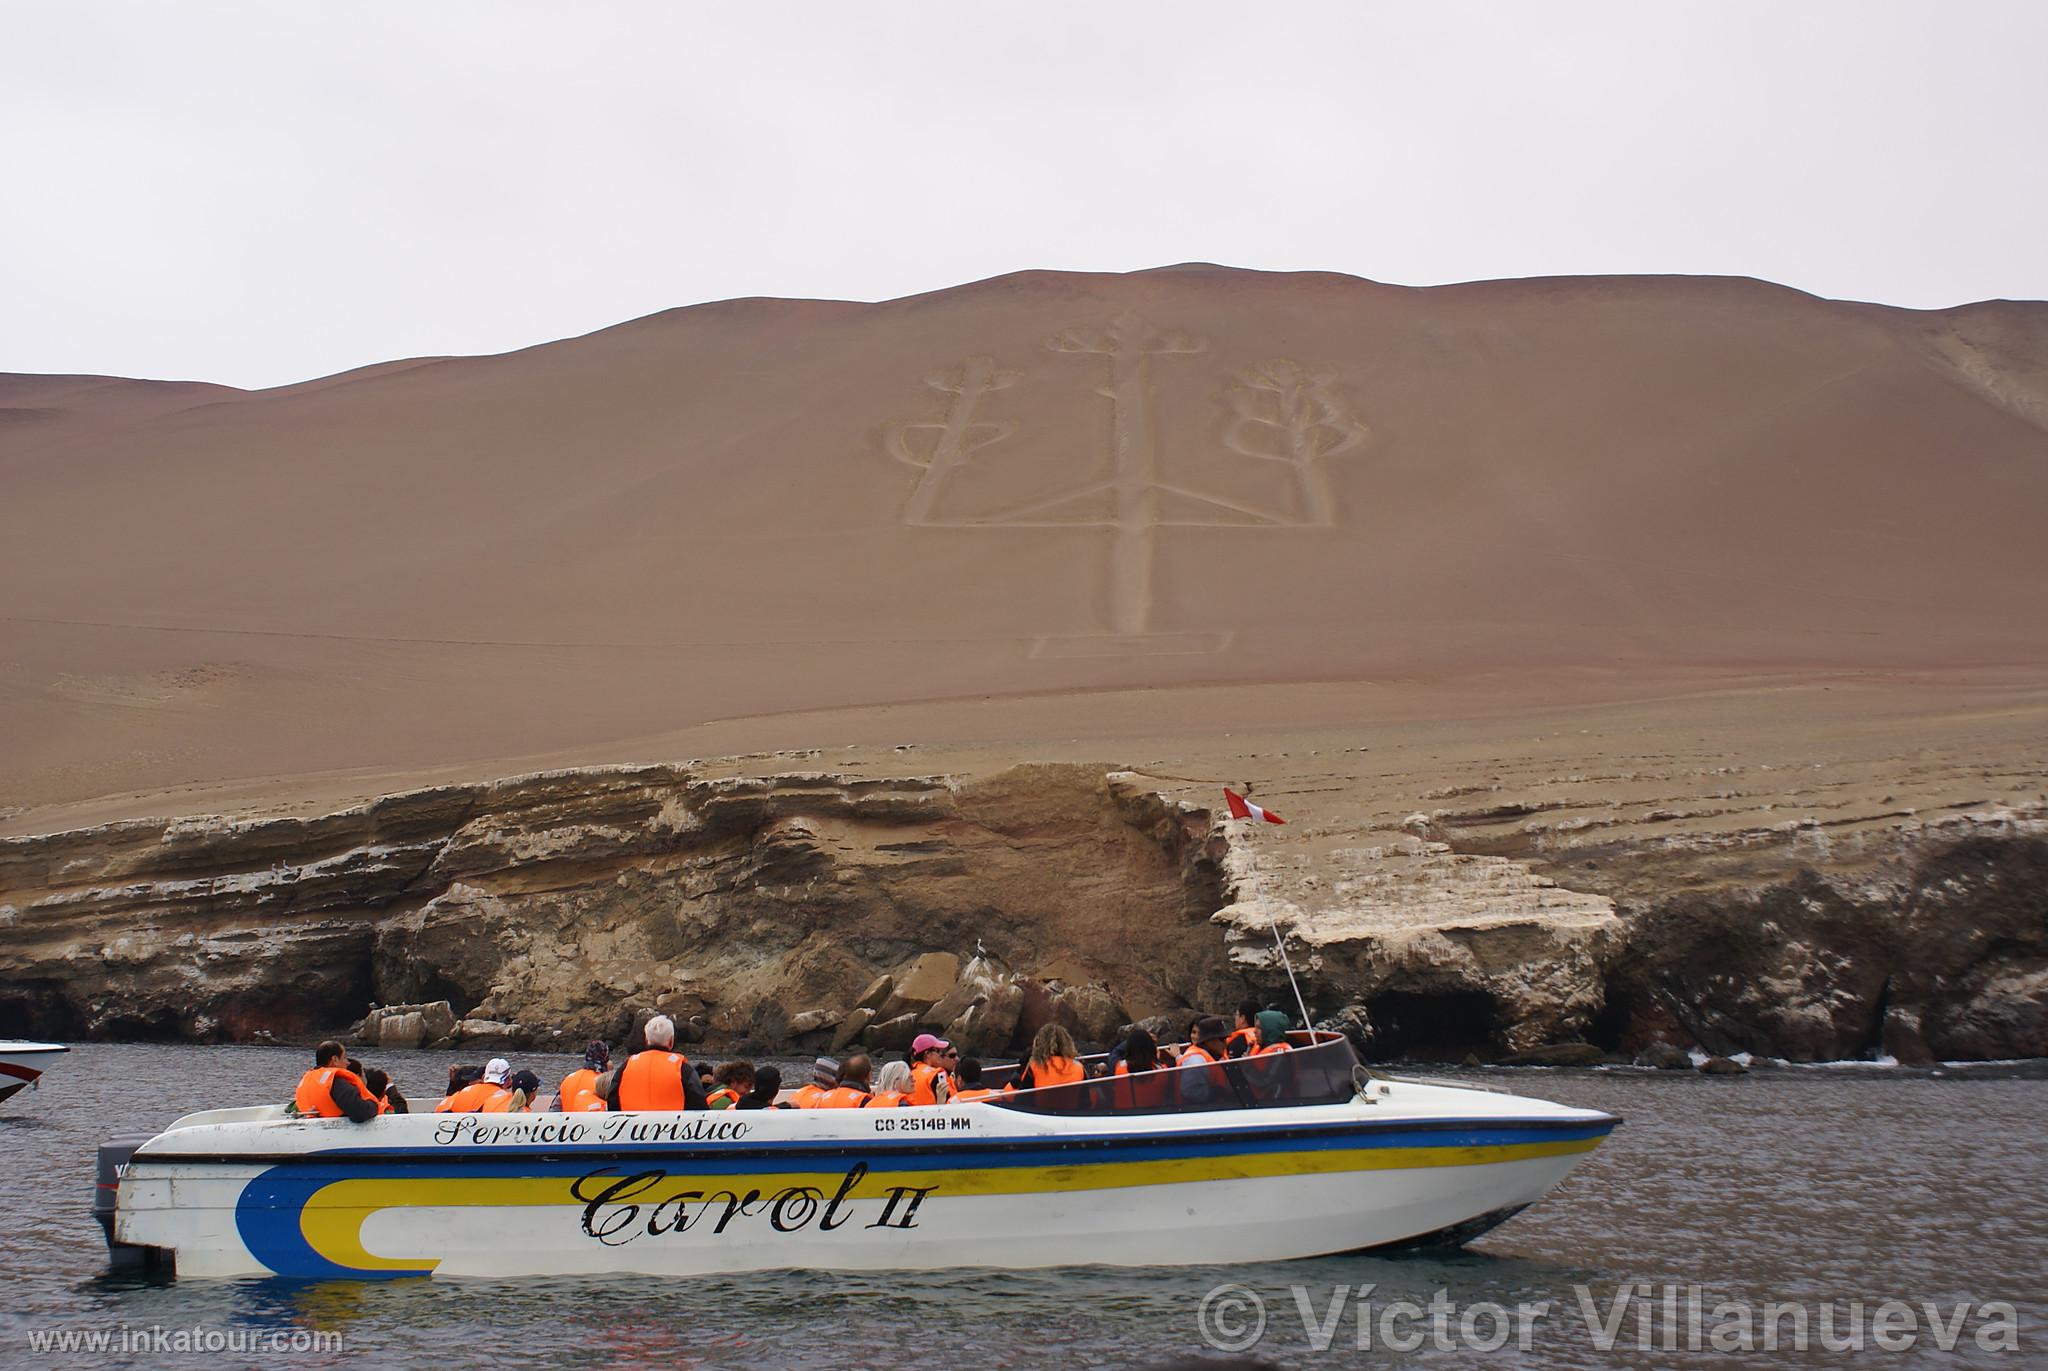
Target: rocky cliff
x=807, y=909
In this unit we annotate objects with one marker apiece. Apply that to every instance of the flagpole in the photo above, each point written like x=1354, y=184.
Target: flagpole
x=1279, y=942
x=1239, y=808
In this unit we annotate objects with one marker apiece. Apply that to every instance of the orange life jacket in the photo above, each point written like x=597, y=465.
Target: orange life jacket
x=725, y=1097
x=383, y=1105
x=844, y=1097
x=807, y=1096
x=1248, y=1036
x=1140, y=1089
x=652, y=1079
x=975, y=1094
x=1275, y=1047
x=579, y=1093
x=885, y=1099
x=1056, y=1071
x=501, y=1103
x=925, y=1080
x=471, y=1099
x=315, y=1094
x=1219, y=1084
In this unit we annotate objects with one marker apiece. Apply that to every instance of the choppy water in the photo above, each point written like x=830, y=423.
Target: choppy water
x=1799, y=1186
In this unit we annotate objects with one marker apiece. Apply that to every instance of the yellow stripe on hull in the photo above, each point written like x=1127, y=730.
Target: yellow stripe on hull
x=333, y=1217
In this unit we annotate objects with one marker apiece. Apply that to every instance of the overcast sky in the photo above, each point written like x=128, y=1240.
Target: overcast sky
x=261, y=192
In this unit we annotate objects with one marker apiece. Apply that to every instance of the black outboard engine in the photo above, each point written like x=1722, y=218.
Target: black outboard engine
x=123, y=1258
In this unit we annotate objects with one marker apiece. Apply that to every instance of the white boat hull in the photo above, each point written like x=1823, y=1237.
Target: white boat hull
x=964, y=1185
x=22, y=1064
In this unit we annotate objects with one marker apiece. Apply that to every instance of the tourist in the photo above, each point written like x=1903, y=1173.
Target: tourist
x=1141, y=1079
x=892, y=1086
x=706, y=1077
x=331, y=1090
x=767, y=1086
x=522, y=1087
x=1273, y=1031
x=387, y=1096
x=971, y=1087
x=1053, y=1061
x=824, y=1080
x=477, y=1096
x=931, y=1061
x=852, y=1091
x=731, y=1084
x=1201, y=1077
x=459, y=1076
x=1243, y=1039
x=578, y=1093
x=658, y=1077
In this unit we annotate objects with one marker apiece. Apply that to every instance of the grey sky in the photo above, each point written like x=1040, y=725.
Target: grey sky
x=260, y=192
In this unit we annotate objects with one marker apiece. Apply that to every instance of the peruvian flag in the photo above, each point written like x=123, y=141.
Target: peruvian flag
x=1241, y=808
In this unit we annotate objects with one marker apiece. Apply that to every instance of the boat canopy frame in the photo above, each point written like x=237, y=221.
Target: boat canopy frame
x=1318, y=1068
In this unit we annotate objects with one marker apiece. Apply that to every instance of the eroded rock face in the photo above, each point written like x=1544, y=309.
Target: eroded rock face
x=1933, y=956
x=1510, y=958
x=572, y=900
x=810, y=909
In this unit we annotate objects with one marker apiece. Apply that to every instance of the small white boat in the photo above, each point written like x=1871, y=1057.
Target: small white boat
x=1296, y=1154
x=23, y=1064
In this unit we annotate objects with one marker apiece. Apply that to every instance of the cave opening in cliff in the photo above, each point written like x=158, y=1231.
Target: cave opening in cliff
x=1433, y=1025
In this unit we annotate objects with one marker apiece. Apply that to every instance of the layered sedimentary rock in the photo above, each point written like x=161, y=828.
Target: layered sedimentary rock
x=809, y=909
x=571, y=899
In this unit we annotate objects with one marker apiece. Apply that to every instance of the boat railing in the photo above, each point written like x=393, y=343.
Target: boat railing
x=1315, y=1069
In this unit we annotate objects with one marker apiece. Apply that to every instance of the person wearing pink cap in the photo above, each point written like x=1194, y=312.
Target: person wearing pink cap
x=932, y=1060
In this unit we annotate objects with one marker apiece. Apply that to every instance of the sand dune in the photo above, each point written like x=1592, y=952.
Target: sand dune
x=1031, y=486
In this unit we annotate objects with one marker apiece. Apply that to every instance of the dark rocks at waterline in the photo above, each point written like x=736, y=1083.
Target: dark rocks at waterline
x=1722, y=1066
x=1556, y=1054
x=1354, y=1022
x=1664, y=1057
x=1940, y=958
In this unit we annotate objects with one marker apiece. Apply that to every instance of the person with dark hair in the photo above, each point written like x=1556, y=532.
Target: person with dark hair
x=1243, y=1039
x=387, y=1096
x=852, y=1091
x=578, y=1093
x=932, y=1059
x=518, y=1095
x=460, y=1076
x=732, y=1081
x=767, y=1085
x=1141, y=1079
x=1200, y=1075
x=331, y=1090
x=971, y=1087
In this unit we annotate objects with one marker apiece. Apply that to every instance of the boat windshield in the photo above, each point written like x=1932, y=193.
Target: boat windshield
x=1317, y=1069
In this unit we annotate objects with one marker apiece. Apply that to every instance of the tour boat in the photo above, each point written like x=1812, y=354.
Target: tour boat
x=23, y=1064
x=1286, y=1154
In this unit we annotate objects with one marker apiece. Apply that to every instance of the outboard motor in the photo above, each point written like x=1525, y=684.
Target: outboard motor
x=122, y=1257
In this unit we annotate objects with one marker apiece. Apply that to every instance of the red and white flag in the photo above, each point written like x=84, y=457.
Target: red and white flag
x=1241, y=808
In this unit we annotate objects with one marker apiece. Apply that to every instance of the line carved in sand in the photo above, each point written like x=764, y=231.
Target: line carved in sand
x=1279, y=411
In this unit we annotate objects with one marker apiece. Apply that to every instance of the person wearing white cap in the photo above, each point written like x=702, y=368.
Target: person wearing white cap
x=476, y=1097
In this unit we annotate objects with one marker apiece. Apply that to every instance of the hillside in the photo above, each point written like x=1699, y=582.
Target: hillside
x=1034, y=485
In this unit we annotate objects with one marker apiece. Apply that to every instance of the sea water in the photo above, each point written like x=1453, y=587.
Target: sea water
x=1822, y=1205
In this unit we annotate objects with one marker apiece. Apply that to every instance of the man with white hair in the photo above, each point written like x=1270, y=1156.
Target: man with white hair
x=657, y=1077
